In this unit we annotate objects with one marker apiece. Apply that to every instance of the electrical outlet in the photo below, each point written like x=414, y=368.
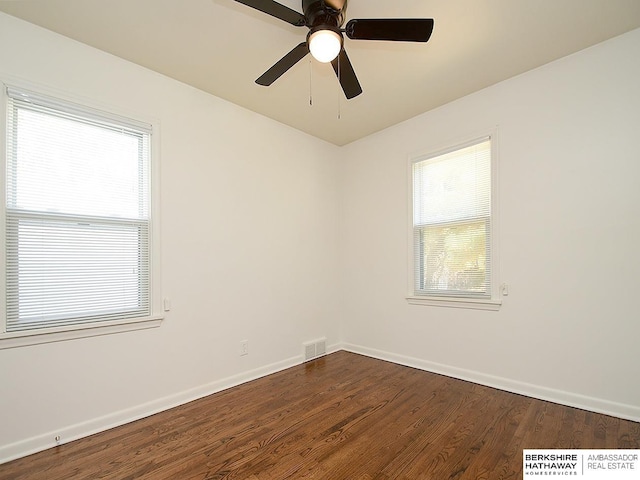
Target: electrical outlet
x=244, y=347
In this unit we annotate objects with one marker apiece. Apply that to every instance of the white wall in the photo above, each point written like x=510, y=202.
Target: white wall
x=249, y=248
x=290, y=247
x=569, y=213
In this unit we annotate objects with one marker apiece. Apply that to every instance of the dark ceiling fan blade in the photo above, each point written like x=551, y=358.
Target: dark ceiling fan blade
x=284, y=64
x=276, y=10
x=393, y=29
x=346, y=75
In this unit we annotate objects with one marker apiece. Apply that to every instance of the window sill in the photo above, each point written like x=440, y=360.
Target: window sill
x=36, y=337
x=471, y=303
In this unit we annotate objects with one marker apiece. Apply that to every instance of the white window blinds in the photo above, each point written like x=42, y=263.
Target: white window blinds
x=452, y=222
x=77, y=214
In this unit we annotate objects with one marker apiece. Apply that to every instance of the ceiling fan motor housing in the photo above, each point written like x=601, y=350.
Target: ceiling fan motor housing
x=325, y=40
x=318, y=13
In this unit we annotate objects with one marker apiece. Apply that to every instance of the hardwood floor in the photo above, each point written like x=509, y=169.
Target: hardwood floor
x=343, y=416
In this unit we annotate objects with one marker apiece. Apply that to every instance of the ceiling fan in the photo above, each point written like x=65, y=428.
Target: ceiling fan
x=325, y=40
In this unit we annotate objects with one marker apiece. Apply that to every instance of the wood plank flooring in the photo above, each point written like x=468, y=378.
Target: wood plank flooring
x=343, y=416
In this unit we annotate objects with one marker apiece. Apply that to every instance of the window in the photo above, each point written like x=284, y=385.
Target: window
x=78, y=230
x=453, y=224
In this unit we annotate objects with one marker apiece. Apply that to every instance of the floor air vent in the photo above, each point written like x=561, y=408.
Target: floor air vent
x=315, y=349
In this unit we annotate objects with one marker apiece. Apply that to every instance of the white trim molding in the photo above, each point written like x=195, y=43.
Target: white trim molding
x=28, y=446
x=492, y=301
x=569, y=399
x=37, y=337
x=474, y=303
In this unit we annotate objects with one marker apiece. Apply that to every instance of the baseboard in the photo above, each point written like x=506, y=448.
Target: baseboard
x=598, y=405
x=74, y=432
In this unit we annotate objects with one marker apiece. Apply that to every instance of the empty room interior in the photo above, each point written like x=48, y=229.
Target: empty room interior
x=311, y=297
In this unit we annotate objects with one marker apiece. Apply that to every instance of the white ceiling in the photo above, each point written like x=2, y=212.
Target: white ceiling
x=221, y=47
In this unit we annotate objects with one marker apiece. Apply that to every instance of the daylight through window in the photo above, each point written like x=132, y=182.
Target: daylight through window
x=77, y=215
x=452, y=222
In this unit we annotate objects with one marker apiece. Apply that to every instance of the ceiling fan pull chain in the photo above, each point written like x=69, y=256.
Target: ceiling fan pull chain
x=338, y=90
x=310, y=83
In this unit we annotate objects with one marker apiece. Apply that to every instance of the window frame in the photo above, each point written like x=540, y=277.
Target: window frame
x=87, y=329
x=492, y=302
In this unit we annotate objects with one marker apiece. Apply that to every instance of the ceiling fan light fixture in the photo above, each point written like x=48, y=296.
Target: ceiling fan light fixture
x=325, y=39
x=324, y=44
